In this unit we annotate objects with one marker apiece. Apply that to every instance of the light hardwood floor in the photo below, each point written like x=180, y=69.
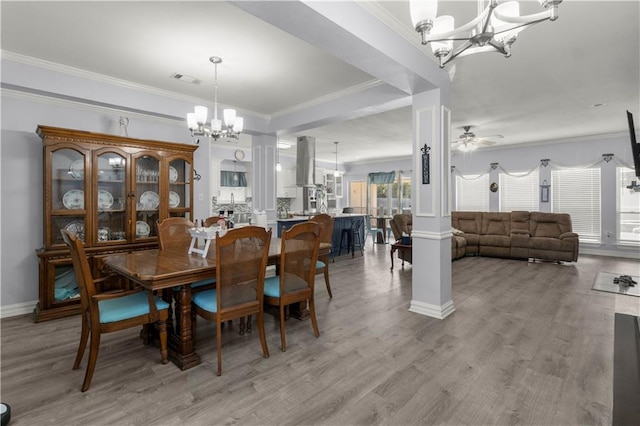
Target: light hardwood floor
x=529, y=343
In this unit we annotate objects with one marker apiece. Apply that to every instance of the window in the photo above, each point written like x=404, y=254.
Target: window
x=577, y=192
x=472, y=193
x=628, y=207
x=519, y=192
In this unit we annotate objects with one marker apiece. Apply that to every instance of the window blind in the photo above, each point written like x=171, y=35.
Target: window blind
x=627, y=207
x=519, y=192
x=472, y=194
x=577, y=192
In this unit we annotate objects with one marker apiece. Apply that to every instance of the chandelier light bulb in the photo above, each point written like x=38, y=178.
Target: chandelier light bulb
x=229, y=116
x=201, y=114
x=442, y=24
x=423, y=11
x=216, y=125
x=239, y=124
x=191, y=121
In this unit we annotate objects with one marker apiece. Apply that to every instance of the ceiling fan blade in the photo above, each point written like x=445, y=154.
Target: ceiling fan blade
x=485, y=142
x=492, y=137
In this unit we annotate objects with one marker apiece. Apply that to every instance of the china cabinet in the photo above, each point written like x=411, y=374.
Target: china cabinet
x=110, y=190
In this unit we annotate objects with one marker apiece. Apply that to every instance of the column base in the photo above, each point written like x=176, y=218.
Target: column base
x=434, y=311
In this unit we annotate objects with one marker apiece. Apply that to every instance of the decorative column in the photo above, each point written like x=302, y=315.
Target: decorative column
x=263, y=178
x=431, y=192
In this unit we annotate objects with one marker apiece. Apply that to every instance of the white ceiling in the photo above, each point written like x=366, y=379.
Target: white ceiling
x=545, y=91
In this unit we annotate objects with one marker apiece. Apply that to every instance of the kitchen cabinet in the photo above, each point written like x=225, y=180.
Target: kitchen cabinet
x=110, y=191
x=286, y=183
x=333, y=185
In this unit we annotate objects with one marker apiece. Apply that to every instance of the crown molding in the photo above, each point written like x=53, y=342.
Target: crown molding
x=330, y=97
x=101, y=78
x=83, y=104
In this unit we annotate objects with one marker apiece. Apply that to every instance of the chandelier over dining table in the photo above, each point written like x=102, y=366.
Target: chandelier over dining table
x=197, y=120
x=495, y=28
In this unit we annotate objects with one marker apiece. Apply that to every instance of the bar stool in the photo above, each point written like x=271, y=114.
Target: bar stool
x=353, y=237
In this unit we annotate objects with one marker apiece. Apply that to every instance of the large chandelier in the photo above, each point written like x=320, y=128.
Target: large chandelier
x=197, y=120
x=494, y=29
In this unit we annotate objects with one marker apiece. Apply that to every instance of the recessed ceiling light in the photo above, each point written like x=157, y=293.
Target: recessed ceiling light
x=284, y=144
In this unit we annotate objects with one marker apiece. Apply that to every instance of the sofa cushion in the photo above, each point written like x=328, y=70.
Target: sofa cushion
x=496, y=228
x=468, y=226
x=520, y=220
x=494, y=223
x=547, y=229
x=545, y=243
x=495, y=241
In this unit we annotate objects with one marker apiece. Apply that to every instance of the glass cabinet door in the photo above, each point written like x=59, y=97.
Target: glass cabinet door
x=147, y=193
x=180, y=173
x=67, y=209
x=110, y=198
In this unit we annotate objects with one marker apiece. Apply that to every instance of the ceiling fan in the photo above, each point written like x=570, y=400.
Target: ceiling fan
x=468, y=141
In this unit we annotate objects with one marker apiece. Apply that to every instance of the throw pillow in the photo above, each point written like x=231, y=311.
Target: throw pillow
x=456, y=231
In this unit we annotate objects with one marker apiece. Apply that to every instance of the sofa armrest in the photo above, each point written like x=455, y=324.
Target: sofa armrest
x=519, y=232
x=568, y=235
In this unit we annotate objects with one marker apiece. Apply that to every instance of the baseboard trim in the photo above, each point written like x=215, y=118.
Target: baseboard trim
x=17, y=309
x=434, y=311
x=609, y=253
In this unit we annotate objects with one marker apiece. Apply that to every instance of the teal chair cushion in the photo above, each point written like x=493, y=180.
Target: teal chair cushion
x=206, y=300
x=292, y=283
x=234, y=295
x=126, y=307
x=197, y=284
x=320, y=264
x=203, y=282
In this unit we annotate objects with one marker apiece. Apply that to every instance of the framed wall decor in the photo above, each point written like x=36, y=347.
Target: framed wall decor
x=544, y=192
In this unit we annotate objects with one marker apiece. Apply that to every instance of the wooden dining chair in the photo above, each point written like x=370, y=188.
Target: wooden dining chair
x=172, y=232
x=326, y=236
x=241, y=263
x=111, y=311
x=295, y=279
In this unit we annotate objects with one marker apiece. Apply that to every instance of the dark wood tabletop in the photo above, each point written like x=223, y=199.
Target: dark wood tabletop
x=158, y=269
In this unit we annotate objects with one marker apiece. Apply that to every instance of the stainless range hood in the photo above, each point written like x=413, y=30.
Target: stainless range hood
x=306, y=161
x=306, y=172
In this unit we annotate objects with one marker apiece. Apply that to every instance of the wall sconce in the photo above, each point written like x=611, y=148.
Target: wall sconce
x=544, y=192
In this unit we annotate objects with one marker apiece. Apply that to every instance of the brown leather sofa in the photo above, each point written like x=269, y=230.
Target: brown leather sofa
x=518, y=235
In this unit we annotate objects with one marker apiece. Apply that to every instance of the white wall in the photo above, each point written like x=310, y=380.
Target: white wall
x=21, y=230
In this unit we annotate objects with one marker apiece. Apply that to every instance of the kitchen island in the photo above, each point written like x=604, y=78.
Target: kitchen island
x=341, y=221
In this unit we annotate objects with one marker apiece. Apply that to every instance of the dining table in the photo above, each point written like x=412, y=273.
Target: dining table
x=171, y=267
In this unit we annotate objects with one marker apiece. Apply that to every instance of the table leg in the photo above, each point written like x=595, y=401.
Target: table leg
x=299, y=310
x=181, y=350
